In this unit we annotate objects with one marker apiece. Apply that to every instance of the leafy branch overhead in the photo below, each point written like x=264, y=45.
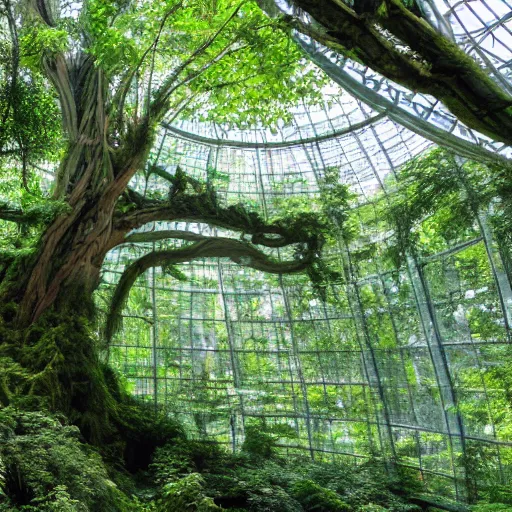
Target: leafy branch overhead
x=192, y=201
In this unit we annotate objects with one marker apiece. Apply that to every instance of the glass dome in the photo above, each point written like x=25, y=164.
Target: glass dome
x=401, y=360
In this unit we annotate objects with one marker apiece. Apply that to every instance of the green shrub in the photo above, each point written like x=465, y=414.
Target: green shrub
x=491, y=507
x=315, y=498
x=44, y=465
x=261, y=439
x=271, y=499
x=258, y=443
x=254, y=486
x=498, y=494
x=370, y=483
x=57, y=500
x=182, y=456
x=186, y=495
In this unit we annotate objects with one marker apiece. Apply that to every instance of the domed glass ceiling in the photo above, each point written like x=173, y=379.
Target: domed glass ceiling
x=400, y=360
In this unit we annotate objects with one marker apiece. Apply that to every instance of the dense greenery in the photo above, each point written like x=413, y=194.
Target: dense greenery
x=82, y=96
x=46, y=466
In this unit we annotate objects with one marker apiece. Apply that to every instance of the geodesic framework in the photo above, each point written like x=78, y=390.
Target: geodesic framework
x=406, y=362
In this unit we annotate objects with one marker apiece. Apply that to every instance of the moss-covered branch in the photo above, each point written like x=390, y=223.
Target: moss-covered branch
x=155, y=236
x=432, y=64
x=204, y=207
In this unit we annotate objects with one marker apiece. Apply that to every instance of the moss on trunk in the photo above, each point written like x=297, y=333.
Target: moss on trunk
x=55, y=365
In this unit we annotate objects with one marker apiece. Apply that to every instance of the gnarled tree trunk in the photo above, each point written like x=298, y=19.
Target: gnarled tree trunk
x=91, y=178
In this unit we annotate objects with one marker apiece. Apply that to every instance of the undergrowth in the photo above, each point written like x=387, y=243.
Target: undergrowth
x=47, y=465
x=73, y=440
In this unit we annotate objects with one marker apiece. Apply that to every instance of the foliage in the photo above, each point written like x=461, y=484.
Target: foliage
x=185, y=456
x=32, y=127
x=46, y=466
x=41, y=40
x=261, y=440
x=185, y=494
x=254, y=485
x=438, y=196
x=314, y=497
x=433, y=182
x=328, y=217
x=58, y=367
x=256, y=60
x=369, y=483
x=497, y=493
x=258, y=483
x=336, y=199
x=491, y=507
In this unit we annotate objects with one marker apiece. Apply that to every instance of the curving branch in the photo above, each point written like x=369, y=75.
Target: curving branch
x=237, y=251
x=273, y=240
x=155, y=236
x=204, y=208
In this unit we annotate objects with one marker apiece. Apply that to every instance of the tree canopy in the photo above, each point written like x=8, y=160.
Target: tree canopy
x=84, y=88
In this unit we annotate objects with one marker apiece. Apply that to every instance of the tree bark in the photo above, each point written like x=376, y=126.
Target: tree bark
x=91, y=178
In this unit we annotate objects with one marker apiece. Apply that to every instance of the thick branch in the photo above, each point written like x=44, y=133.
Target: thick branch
x=57, y=70
x=444, y=71
x=215, y=247
x=155, y=236
x=203, y=208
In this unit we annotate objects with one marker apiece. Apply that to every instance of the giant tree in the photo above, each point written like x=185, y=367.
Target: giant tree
x=84, y=90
